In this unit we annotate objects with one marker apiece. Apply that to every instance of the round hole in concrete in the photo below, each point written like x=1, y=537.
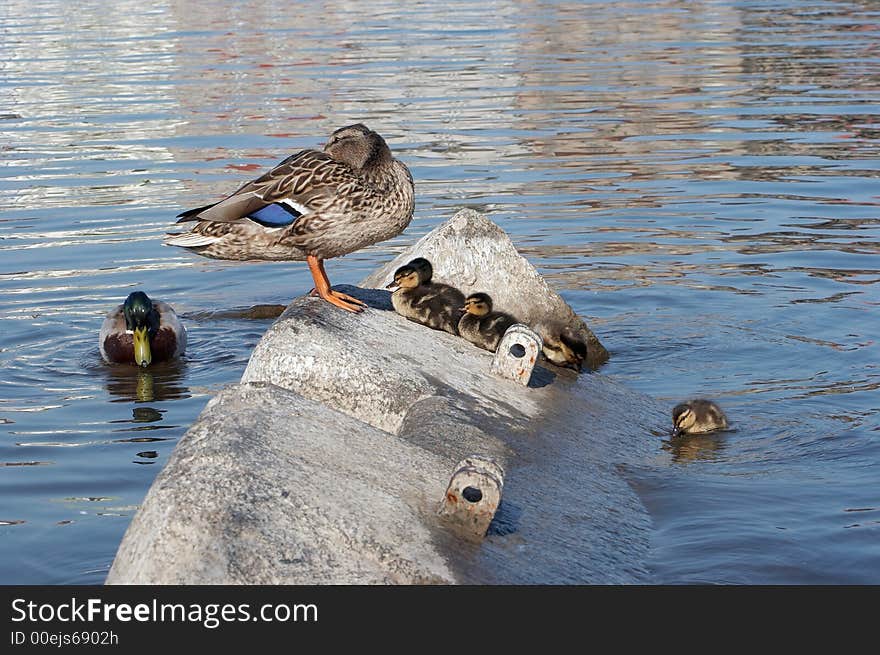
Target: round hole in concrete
x=518, y=350
x=472, y=494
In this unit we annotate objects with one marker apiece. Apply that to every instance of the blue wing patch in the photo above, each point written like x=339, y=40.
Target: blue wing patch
x=275, y=215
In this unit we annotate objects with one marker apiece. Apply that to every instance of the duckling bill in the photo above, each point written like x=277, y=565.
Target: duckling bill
x=482, y=326
x=697, y=416
x=141, y=331
x=312, y=206
x=418, y=298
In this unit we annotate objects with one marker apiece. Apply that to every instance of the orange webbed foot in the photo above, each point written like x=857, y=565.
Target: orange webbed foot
x=322, y=288
x=339, y=299
x=346, y=297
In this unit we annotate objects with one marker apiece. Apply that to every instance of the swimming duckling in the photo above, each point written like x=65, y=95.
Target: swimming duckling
x=482, y=326
x=420, y=299
x=562, y=345
x=141, y=331
x=697, y=417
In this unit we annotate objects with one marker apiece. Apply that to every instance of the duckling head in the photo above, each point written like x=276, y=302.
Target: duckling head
x=683, y=419
x=358, y=146
x=697, y=416
x=424, y=269
x=565, y=349
x=478, y=304
x=142, y=320
x=405, y=277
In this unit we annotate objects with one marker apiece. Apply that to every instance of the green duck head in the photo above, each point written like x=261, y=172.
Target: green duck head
x=142, y=319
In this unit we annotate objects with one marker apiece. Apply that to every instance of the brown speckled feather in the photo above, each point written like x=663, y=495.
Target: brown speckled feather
x=343, y=209
x=485, y=331
x=433, y=304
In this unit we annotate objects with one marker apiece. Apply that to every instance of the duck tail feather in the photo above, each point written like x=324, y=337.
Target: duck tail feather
x=192, y=214
x=188, y=239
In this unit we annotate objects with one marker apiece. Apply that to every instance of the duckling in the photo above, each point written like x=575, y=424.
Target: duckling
x=418, y=298
x=697, y=417
x=141, y=331
x=482, y=326
x=562, y=345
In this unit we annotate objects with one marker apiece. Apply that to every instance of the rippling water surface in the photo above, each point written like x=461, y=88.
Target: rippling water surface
x=698, y=180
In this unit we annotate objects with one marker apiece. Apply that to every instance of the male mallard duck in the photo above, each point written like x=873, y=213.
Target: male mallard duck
x=313, y=205
x=141, y=331
x=562, y=345
x=696, y=417
x=482, y=326
x=418, y=298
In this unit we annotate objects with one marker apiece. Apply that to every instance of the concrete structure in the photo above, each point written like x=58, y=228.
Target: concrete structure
x=473, y=496
x=330, y=460
x=472, y=253
x=517, y=354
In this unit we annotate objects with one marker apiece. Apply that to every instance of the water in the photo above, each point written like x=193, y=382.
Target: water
x=698, y=180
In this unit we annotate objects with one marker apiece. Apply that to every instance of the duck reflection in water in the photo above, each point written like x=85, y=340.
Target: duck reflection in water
x=689, y=448
x=145, y=385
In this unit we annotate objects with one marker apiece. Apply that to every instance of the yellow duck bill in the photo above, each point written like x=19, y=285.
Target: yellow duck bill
x=142, y=354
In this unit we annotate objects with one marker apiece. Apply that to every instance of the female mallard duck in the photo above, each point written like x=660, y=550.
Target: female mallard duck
x=313, y=205
x=418, y=298
x=562, y=345
x=141, y=331
x=482, y=326
x=697, y=417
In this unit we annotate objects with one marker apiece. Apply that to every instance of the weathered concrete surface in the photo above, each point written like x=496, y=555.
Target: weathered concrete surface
x=473, y=254
x=329, y=462
x=473, y=496
x=268, y=487
x=513, y=365
x=374, y=366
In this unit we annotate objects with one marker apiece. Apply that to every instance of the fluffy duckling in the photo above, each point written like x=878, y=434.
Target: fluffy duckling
x=482, y=326
x=563, y=346
x=418, y=298
x=697, y=417
x=141, y=331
